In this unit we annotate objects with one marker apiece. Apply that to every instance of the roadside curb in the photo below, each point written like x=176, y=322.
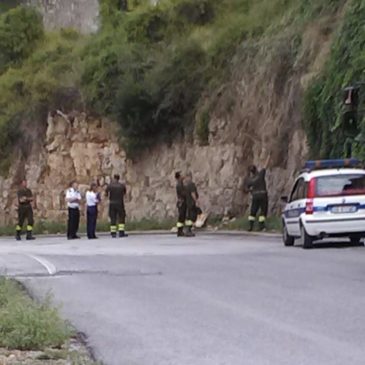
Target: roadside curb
x=168, y=232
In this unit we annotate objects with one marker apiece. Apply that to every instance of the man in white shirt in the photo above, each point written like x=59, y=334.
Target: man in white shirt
x=92, y=201
x=73, y=199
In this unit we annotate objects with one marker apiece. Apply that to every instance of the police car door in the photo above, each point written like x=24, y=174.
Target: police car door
x=296, y=207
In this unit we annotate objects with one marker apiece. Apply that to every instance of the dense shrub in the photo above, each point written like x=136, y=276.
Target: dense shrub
x=323, y=100
x=148, y=65
x=20, y=30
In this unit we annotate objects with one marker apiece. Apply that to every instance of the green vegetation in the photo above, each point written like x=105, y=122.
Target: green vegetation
x=6, y=5
x=47, y=227
x=151, y=68
x=323, y=101
x=202, y=126
x=32, y=82
x=241, y=223
x=26, y=325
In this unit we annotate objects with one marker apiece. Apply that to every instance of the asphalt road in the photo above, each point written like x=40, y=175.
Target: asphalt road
x=211, y=300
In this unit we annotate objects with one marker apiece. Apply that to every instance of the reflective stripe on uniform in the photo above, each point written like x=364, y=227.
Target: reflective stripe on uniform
x=121, y=227
x=189, y=223
x=18, y=228
x=251, y=218
x=179, y=225
x=113, y=229
x=29, y=228
x=262, y=219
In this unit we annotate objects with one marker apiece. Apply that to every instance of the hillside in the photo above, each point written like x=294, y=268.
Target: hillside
x=206, y=85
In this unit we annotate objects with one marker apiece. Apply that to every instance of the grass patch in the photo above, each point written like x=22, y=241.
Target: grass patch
x=241, y=223
x=27, y=325
x=46, y=227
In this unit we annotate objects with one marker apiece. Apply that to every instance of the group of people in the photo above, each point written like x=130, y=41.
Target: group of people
x=115, y=192
x=187, y=200
x=187, y=205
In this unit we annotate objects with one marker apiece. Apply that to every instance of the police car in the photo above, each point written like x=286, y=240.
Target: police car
x=327, y=200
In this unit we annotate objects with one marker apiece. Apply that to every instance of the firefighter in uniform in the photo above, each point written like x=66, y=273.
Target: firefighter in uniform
x=192, y=197
x=116, y=192
x=256, y=184
x=25, y=211
x=181, y=203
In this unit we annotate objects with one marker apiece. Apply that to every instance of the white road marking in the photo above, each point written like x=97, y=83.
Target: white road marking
x=52, y=270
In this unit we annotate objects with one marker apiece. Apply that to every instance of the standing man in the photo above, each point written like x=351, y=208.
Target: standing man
x=256, y=184
x=181, y=203
x=192, y=197
x=92, y=201
x=25, y=211
x=116, y=192
x=73, y=199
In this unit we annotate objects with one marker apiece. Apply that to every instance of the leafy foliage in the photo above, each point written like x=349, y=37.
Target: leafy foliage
x=323, y=100
x=46, y=80
x=148, y=65
x=20, y=30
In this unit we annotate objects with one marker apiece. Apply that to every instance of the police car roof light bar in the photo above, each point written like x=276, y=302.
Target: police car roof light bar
x=332, y=164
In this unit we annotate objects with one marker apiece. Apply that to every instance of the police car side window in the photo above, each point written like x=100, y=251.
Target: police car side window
x=301, y=190
x=298, y=190
x=294, y=192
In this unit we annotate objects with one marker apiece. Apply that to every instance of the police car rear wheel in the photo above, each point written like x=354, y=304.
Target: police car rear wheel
x=288, y=240
x=306, y=239
x=355, y=240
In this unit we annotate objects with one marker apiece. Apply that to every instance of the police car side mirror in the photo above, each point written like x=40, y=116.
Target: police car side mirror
x=284, y=199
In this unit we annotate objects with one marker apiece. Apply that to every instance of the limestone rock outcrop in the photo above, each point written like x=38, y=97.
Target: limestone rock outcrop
x=87, y=149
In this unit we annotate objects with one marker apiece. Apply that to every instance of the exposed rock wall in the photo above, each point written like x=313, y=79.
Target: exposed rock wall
x=79, y=14
x=87, y=149
x=256, y=113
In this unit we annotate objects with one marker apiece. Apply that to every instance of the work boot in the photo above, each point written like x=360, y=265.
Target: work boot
x=189, y=232
x=262, y=226
x=30, y=236
x=18, y=236
x=114, y=234
x=180, y=232
x=251, y=224
x=122, y=234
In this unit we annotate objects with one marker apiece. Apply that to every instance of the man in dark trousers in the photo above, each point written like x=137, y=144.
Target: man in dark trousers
x=116, y=192
x=181, y=203
x=73, y=199
x=92, y=201
x=256, y=184
x=192, y=197
x=25, y=211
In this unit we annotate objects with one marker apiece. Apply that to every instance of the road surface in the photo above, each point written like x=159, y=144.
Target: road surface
x=211, y=300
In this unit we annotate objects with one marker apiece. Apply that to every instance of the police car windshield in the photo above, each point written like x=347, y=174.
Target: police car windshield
x=337, y=185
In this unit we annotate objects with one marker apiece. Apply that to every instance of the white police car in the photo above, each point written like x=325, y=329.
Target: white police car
x=327, y=200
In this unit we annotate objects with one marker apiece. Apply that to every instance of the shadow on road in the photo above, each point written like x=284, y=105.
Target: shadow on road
x=337, y=245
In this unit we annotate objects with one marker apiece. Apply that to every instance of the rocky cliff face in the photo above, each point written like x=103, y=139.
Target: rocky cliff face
x=87, y=149
x=79, y=14
x=257, y=112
